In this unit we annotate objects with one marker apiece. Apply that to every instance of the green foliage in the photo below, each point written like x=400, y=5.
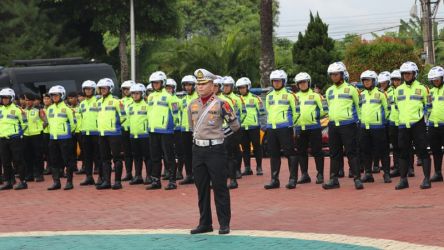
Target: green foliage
x=314, y=51
x=28, y=33
x=383, y=53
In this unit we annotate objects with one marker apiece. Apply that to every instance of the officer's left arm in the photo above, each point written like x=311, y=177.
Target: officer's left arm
x=385, y=105
x=294, y=102
x=229, y=116
x=355, y=97
x=23, y=119
x=260, y=106
x=120, y=108
x=71, y=119
x=318, y=99
x=426, y=98
x=173, y=104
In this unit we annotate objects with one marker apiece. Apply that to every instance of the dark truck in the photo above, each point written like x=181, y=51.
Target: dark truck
x=37, y=76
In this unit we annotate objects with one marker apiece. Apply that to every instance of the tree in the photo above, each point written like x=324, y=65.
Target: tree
x=266, y=64
x=314, y=51
x=28, y=33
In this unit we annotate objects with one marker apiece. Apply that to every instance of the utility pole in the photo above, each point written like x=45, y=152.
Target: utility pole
x=133, y=42
x=427, y=16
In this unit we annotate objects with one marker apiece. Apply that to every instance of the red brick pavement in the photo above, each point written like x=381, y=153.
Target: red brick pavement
x=378, y=211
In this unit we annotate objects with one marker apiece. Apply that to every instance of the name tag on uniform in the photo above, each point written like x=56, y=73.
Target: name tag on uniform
x=418, y=91
x=347, y=90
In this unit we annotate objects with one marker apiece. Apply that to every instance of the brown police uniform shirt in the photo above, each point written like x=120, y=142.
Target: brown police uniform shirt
x=211, y=126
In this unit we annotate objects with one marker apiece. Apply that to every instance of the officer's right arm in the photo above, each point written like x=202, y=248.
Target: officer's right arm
x=229, y=116
x=320, y=104
x=294, y=102
x=356, y=101
x=190, y=119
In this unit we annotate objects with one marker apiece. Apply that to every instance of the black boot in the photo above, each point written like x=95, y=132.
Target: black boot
x=247, y=171
x=291, y=184
x=6, y=186
x=89, y=180
x=136, y=180
x=99, y=181
x=368, y=177
x=437, y=162
x=69, y=177
x=106, y=178
x=395, y=172
x=155, y=184
x=233, y=184
x=188, y=180
x=55, y=186
x=179, y=174
x=21, y=185
x=259, y=171
x=275, y=164
x=128, y=168
x=166, y=173
x=319, y=178
x=331, y=184
x=56, y=178
x=238, y=174
x=387, y=178
x=305, y=178
x=171, y=186
x=118, y=167
x=437, y=177
x=403, y=183
x=303, y=163
x=128, y=177
x=148, y=180
x=426, y=168
x=358, y=184
x=68, y=185
x=293, y=169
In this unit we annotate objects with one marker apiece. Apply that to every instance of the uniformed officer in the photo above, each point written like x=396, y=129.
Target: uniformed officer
x=73, y=103
x=188, y=85
x=253, y=109
x=110, y=116
x=238, y=106
x=206, y=115
x=62, y=125
x=373, y=136
x=45, y=142
x=343, y=106
x=12, y=123
x=281, y=117
x=126, y=143
x=161, y=115
x=32, y=141
x=311, y=111
x=90, y=133
x=411, y=99
x=436, y=120
x=138, y=127
x=171, y=87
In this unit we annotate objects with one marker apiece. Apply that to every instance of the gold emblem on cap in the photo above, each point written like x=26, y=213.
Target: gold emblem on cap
x=200, y=74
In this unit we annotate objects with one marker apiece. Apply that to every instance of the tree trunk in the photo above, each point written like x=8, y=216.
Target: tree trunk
x=266, y=64
x=124, y=69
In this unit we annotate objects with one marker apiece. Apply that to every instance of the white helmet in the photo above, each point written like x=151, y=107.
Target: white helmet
x=396, y=74
x=384, y=76
x=89, y=84
x=278, y=75
x=106, y=82
x=218, y=81
x=149, y=87
x=189, y=79
x=370, y=74
x=228, y=80
x=58, y=89
x=138, y=87
x=243, y=81
x=158, y=76
x=336, y=67
x=8, y=92
x=171, y=82
x=302, y=76
x=409, y=67
x=436, y=72
x=127, y=84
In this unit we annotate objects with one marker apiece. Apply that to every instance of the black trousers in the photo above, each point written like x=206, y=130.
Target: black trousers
x=232, y=148
x=312, y=137
x=178, y=149
x=33, y=155
x=251, y=136
x=141, y=152
x=91, y=154
x=340, y=137
x=187, y=142
x=61, y=154
x=210, y=166
x=374, y=144
x=162, y=145
x=418, y=135
x=127, y=152
x=436, y=140
x=45, y=150
x=281, y=139
x=110, y=149
x=77, y=142
x=11, y=151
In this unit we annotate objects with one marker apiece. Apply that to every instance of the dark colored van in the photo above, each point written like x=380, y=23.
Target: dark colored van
x=37, y=76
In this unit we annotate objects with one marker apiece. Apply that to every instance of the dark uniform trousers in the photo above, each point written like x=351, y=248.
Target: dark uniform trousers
x=77, y=141
x=141, y=152
x=251, y=136
x=416, y=133
x=110, y=149
x=91, y=154
x=11, y=150
x=282, y=138
x=393, y=132
x=373, y=144
x=210, y=166
x=436, y=139
x=340, y=137
x=178, y=150
x=312, y=137
x=232, y=147
x=45, y=150
x=162, y=145
x=33, y=155
x=187, y=142
x=127, y=153
x=61, y=154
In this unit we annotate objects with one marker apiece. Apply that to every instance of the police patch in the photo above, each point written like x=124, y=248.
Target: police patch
x=143, y=108
x=311, y=97
x=63, y=110
x=284, y=97
x=377, y=96
x=347, y=90
x=12, y=112
x=251, y=101
x=418, y=91
x=401, y=92
x=110, y=103
x=194, y=107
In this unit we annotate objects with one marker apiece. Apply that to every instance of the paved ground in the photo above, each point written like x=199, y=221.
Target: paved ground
x=378, y=211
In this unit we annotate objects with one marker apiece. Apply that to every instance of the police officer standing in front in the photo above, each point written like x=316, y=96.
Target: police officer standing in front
x=206, y=116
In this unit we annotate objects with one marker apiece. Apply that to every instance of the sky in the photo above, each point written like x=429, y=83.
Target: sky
x=345, y=16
